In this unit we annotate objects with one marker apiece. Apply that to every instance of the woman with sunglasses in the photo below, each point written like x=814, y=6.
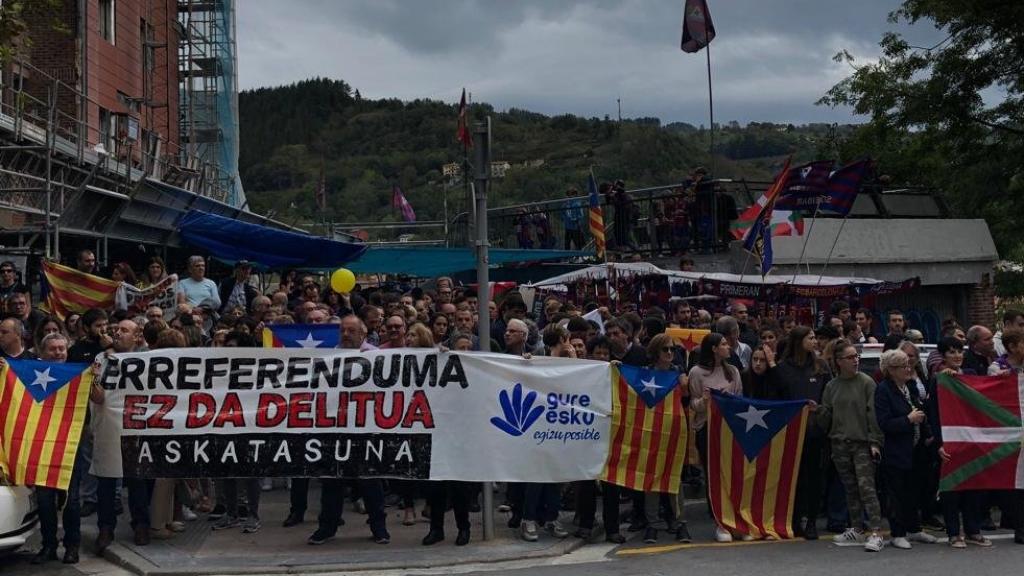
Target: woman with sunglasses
x=661, y=354
x=847, y=415
x=902, y=418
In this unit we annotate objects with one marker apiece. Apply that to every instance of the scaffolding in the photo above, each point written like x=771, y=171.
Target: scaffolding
x=207, y=81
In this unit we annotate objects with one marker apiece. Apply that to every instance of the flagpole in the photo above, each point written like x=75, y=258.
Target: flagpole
x=607, y=269
x=834, y=243
x=810, y=229
x=711, y=100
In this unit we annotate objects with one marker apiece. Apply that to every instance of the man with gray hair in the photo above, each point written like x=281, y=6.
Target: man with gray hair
x=12, y=343
x=197, y=288
x=730, y=328
x=980, y=349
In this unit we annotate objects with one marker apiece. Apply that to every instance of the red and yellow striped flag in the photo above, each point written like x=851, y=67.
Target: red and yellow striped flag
x=596, y=217
x=71, y=291
x=42, y=405
x=649, y=430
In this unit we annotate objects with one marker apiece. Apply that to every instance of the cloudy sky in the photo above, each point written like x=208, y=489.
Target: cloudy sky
x=771, y=60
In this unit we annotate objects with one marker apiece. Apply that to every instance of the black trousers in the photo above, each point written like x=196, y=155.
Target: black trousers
x=586, y=505
x=49, y=501
x=809, y=484
x=902, y=495
x=438, y=494
x=140, y=491
x=299, y=496
x=332, y=494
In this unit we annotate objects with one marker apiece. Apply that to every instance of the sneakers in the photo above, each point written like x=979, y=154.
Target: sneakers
x=528, y=530
x=319, y=537
x=226, y=521
x=979, y=540
x=651, y=535
x=722, y=535
x=555, y=529
x=922, y=537
x=683, y=534
x=850, y=535
x=381, y=537
x=188, y=515
x=251, y=525
x=874, y=543
x=901, y=543
x=176, y=526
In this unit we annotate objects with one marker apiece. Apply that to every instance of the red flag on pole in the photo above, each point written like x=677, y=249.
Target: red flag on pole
x=698, y=30
x=462, y=133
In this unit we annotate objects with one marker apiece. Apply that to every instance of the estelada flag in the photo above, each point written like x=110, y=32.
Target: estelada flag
x=596, y=216
x=42, y=412
x=981, y=432
x=649, y=430
x=698, y=30
x=688, y=338
x=301, y=336
x=70, y=291
x=754, y=449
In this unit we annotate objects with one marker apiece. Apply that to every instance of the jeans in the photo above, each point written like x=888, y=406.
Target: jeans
x=47, y=500
x=140, y=491
x=541, y=502
x=438, y=493
x=586, y=507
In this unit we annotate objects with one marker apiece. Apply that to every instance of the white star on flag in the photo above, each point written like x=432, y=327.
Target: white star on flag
x=43, y=379
x=650, y=386
x=754, y=417
x=309, y=342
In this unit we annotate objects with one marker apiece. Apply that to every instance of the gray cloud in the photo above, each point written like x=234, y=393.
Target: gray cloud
x=770, y=61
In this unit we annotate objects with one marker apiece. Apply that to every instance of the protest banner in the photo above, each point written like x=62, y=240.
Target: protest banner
x=405, y=413
x=137, y=300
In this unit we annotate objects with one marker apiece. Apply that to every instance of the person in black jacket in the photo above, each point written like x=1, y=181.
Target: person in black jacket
x=235, y=290
x=802, y=376
x=902, y=418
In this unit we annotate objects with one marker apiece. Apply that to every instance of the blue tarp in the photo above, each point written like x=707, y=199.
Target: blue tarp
x=231, y=240
x=425, y=261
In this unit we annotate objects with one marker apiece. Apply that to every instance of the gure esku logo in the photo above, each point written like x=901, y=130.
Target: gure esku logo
x=519, y=412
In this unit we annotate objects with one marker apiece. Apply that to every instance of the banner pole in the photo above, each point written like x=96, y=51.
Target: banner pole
x=810, y=229
x=834, y=243
x=711, y=100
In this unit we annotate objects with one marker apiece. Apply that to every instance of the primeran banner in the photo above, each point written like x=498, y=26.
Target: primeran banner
x=406, y=413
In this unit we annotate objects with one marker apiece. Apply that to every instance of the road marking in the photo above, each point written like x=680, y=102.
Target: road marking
x=674, y=547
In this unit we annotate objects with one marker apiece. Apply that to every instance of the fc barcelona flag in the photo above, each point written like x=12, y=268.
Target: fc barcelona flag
x=649, y=430
x=301, y=336
x=754, y=449
x=42, y=412
x=981, y=432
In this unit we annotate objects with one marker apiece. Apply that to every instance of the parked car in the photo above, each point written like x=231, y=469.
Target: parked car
x=18, y=515
x=871, y=355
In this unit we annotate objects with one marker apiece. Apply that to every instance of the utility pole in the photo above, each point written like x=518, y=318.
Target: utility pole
x=482, y=177
x=619, y=102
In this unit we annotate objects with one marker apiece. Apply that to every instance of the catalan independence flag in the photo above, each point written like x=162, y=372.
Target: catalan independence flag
x=42, y=405
x=649, y=430
x=70, y=291
x=981, y=432
x=301, y=336
x=754, y=449
x=596, y=216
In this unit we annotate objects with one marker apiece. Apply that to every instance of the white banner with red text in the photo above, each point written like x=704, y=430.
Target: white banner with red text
x=404, y=413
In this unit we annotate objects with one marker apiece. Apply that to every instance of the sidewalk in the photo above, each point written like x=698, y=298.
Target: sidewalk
x=274, y=549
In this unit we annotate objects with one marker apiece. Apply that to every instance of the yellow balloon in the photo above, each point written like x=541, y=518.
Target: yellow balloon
x=343, y=281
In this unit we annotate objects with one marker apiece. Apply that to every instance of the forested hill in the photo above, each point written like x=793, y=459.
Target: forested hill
x=290, y=133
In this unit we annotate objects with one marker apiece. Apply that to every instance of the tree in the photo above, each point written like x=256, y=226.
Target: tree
x=951, y=114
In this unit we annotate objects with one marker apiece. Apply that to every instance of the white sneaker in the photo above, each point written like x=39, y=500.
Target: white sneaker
x=528, y=530
x=722, y=535
x=266, y=484
x=874, y=543
x=746, y=538
x=902, y=543
x=187, y=514
x=851, y=535
x=922, y=537
x=555, y=529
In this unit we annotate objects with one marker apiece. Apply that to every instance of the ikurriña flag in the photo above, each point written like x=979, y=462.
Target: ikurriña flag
x=596, y=216
x=649, y=430
x=42, y=413
x=301, y=336
x=754, y=449
x=698, y=30
x=980, y=420
x=70, y=291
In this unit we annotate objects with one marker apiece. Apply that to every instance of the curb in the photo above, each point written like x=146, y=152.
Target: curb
x=123, y=557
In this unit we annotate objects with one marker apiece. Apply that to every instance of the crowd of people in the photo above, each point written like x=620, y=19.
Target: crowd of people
x=872, y=449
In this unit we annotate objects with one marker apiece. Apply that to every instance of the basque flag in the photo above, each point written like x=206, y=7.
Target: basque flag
x=806, y=187
x=301, y=336
x=42, y=413
x=649, y=430
x=843, y=186
x=754, y=449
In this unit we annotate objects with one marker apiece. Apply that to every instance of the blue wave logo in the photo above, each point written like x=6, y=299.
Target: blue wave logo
x=519, y=411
